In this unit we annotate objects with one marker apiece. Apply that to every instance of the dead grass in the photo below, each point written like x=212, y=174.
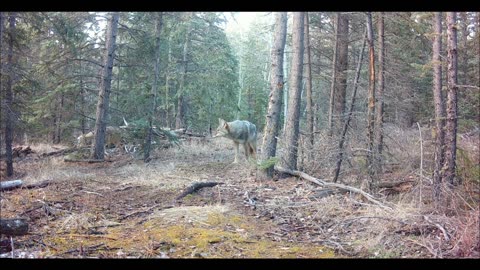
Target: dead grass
x=244, y=217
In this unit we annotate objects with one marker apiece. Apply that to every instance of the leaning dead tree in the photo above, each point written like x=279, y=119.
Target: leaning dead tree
x=350, y=112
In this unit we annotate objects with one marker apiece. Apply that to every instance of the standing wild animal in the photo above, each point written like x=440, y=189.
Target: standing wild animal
x=241, y=132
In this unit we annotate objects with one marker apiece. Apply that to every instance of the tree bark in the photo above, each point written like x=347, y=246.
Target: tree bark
x=350, y=112
x=334, y=80
x=439, y=105
x=285, y=89
x=2, y=107
x=58, y=119
x=148, y=143
x=269, y=146
x=339, y=78
x=9, y=119
x=295, y=84
x=83, y=102
x=371, y=102
x=308, y=78
x=380, y=94
x=167, y=84
x=449, y=165
x=179, y=121
x=478, y=47
x=342, y=65
x=104, y=93
x=464, y=54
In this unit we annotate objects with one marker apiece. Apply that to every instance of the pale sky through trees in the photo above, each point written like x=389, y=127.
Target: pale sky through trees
x=242, y=20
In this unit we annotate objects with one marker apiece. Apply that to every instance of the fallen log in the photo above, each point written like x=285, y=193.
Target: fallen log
x=39, y=185
x=10, y=227
x=395, y=184
x=335, y=185
x=193, y=134
x=8, y=185
x=85, y=160
x=195, y=187
x=62, y=152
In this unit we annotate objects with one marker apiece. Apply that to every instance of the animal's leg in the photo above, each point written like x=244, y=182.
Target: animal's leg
x=253, y=148
x=246, y=148
x=236, y=153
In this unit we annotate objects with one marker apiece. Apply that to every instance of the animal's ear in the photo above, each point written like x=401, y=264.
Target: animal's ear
x=221, y=121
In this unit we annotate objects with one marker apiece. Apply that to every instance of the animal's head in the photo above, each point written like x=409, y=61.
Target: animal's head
x=113, y=136
x=85, y=139
x=223, y=129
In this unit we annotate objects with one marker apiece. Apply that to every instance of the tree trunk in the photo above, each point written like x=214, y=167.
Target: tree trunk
x=308, y=78
x=104, y=93
x=179, y=121
x=478, y=47
x=439, y=105
x=371, y=102
x=342, y=65
x=269, y=146
x=464, y=63
x=286, y=87
x=339, y=79
x=290, y=154
x=83, y=102
x=334, y=80
x=167, y=83
x=2, y=108
x=148, y=143
x=350, y=112
x=58, y=119
x=379, y=94
x=9, y=119
x=240, y=80
x=318, y=95
x=449, y=165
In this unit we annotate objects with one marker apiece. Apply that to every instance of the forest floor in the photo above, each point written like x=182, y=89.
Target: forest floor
x=125, y=208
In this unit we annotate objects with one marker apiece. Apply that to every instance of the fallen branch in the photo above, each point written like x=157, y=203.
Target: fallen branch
x=143, y=211
x=17, y=226
x=445, y=234
x=327, y=184
x=84, y=249
x=91, y=192
x=39, y=185
x=91, y=236
x=86, y=160
x=196, y=186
